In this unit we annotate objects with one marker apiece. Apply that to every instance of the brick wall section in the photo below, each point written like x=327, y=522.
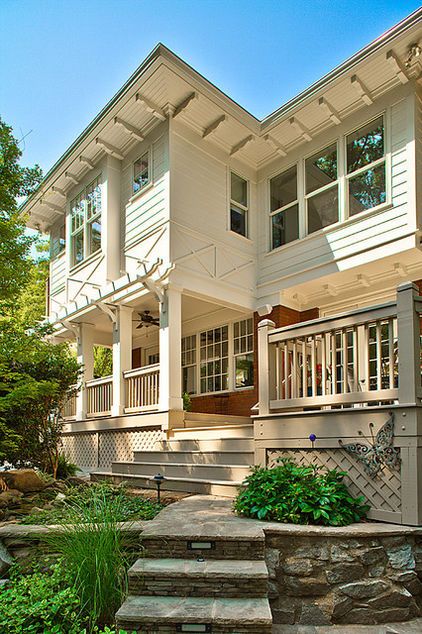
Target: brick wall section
x=239, y=403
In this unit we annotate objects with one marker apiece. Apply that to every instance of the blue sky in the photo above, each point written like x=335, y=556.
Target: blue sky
x=62, y=60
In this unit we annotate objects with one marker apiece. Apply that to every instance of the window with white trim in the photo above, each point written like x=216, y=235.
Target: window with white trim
x=243, y=353
x=85, y=222
x=239, y=204
x=214, y=359
x=284, y=208
x=141, y=172
x=321, y=189
x=189, y=364
x=57, y=241
x=366, y=167
x=362, y=174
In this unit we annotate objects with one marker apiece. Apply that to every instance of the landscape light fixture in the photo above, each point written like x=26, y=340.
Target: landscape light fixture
x=158, y=479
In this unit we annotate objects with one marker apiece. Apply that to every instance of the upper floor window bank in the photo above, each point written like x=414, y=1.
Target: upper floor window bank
x=141, y=172
x=324, y=189
x=85, y=222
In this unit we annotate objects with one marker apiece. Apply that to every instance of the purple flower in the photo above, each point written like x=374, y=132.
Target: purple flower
x=312, y=437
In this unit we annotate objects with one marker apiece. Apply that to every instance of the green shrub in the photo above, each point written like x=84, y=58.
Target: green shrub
x=299, y=495
x=95, y=551
x=40, y=603
x=127, y=507
x=65, y=468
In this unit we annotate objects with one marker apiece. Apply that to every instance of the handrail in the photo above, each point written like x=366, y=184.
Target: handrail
x=146, y=369
x=100, y=381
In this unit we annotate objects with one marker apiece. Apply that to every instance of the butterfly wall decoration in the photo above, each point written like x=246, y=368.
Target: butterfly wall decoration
x=380, y=453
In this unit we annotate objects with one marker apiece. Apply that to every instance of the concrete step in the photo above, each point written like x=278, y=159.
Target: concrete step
x=152, y=614
x=237, y=457
x=184, y=470
x=221, y=488
x=213, y=444
x=207, y=433
x=193, y=578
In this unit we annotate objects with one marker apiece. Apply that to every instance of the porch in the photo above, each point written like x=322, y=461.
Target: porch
x=345, y=392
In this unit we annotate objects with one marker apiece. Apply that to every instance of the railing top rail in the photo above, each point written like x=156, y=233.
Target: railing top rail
x=101, y=381
x=146, y=369
x=333, y=322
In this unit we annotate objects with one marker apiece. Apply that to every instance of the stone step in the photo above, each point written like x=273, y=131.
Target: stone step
x=190, y=577
x=227, y=489
x=167, y=615
x=184, y=470
x=207, y=433
x=237, y=457
x=213, y=444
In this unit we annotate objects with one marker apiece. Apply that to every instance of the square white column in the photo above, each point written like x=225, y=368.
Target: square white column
x=171, y=351
x=85, y=352
x=122, y=357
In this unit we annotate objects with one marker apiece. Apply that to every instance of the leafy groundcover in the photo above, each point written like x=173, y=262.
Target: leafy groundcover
x=296, y=494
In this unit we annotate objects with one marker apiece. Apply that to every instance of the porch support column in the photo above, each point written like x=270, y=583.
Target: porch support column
x=266, y=366
x=122, y=356
x=85, y=352
x=408, y=326
x=171, y=350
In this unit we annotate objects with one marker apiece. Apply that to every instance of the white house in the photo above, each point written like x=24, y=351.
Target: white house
x=178, y=221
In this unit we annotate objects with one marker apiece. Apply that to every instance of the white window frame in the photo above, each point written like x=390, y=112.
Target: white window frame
x=85, y=226
x=285, y=207
x=194, y=362
x=343, y=179
x=321, y=189
x=57, y=241
x=142, y=188
x=238, y=205
x=242, y=353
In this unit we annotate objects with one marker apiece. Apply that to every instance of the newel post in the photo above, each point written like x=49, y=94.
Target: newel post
x=408, y=329
x=266, y=366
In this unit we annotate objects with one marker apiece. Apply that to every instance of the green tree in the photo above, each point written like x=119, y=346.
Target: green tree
x=15, y=182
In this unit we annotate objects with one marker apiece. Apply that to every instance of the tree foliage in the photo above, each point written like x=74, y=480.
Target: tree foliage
x=15, y=182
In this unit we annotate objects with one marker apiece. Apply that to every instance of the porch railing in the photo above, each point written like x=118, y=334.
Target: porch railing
x=69, y=407
x=99, y=396
x=142, y=387
x=348, y=360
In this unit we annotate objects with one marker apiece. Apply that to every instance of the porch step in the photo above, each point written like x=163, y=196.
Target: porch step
x=211, y=432
x=231, y=443
x=223, y=488
x=210, y=472
x=220, y=457
x=194, y=419
x=197, y=577
x=168, y=614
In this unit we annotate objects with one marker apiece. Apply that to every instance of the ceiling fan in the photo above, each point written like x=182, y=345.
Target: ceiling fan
x=146, y=320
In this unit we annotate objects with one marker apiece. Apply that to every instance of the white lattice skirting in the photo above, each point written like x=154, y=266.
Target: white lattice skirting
x=383, y=493
x=92, y=450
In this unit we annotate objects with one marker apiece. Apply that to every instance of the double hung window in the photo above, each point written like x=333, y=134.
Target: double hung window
x=322, y=189
x=284, y=208
x=141, y=172
x=214, y=359
x=243, y=353
x=189, y=364
x=85, y=222
x=239, y=204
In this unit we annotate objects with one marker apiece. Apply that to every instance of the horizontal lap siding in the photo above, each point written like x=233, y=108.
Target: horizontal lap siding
x=148, y=211
x=57, y=273
x=358, y=235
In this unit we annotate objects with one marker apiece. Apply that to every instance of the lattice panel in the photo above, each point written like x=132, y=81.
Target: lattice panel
x=383, y=492
x=82, y=449
x=120, y=445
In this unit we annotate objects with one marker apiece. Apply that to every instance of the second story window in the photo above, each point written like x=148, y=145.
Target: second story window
x=366, y=167
x=322, y=189
x=238, y=204
x=284, y=208
x=141, y=172
x=57, y=242
x=85, y=222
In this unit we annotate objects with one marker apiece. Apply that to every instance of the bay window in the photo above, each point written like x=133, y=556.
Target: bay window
x=306, y=197
x=57, y=241
x=141, y=172
x=85, y=222
x=238, y=204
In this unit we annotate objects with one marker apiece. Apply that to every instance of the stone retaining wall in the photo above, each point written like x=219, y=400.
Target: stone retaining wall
x=323, y=579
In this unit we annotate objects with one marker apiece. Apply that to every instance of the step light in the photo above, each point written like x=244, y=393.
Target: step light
x=194, y=627
x=201, y=546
